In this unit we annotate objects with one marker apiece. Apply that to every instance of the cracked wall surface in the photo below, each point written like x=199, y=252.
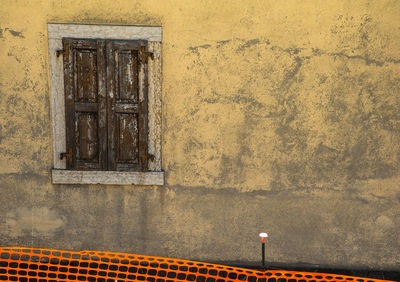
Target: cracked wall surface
x=277, y=116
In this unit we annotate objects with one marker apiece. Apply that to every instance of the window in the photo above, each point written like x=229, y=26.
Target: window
x=106, y=104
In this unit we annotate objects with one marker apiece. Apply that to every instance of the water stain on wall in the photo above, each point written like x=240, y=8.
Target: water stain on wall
x=42, y=221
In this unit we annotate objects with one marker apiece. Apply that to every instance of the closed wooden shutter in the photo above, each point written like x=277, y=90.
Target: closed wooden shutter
x=85, y=104
x=127, y=105
x=106, y=104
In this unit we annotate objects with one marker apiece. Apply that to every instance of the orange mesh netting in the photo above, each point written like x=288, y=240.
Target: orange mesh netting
x=41, y=265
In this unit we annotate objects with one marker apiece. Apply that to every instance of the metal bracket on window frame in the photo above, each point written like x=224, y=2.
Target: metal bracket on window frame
x=61, y=52
x=67, y=155
x=146, y=55
x=147, y=157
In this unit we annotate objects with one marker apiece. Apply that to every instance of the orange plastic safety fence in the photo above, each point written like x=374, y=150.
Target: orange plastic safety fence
x=42, y=265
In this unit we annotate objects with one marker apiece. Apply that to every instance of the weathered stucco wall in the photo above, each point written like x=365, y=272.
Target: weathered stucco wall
x=278, y=116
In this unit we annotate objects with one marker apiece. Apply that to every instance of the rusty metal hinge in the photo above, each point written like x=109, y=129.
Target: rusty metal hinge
x=67, y=155
x=146, y=55
x=61, y=52
x=150, y=157
x=145, y=158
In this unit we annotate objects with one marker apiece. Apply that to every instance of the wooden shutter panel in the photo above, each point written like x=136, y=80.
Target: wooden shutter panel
x=126, y=105
x=85, y=104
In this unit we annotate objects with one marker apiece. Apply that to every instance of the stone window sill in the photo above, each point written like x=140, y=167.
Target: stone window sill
x=62, y=176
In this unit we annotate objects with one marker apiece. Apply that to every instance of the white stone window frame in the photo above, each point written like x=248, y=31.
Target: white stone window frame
x=153, y=34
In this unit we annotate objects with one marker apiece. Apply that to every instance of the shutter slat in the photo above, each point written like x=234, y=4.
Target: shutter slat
x=127, y=76
x=111, y=149
x=69, y=102
x=143, y=110
x=87, y=140
x=127, y=108
x=86, y=75
x=128, y=138
x=102, y=104
x=86, y=107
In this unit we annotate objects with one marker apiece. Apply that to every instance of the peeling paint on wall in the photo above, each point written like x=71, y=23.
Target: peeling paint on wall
x=11, y=32
x=14, y=33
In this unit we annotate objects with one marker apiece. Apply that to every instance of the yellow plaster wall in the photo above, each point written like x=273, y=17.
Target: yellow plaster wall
x=277, y=98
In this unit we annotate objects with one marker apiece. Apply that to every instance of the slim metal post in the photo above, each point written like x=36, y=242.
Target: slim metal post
x=263, y=239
